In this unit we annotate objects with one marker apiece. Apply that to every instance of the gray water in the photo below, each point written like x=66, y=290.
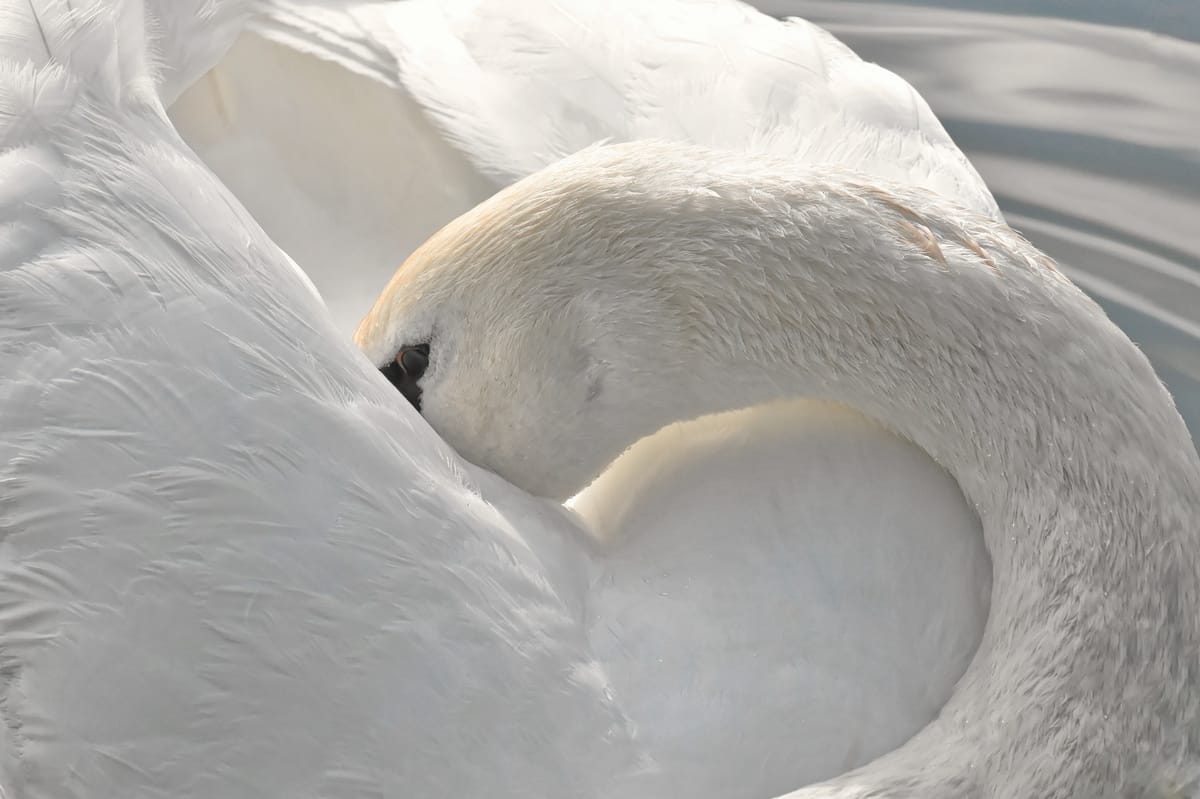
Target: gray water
x=1084, y=118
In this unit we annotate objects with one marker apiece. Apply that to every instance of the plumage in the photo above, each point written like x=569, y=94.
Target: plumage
x=446, y=102
x=232, y=564
x=237, y=564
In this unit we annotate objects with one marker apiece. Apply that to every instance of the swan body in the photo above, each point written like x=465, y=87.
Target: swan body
x=197, y=601
x=758, y=644
x=942, y=324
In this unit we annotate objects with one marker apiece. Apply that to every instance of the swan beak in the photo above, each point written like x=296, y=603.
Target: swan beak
x=401, y=379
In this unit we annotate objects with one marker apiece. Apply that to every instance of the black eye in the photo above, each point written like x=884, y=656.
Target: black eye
x=406, y=369
x=414, y=360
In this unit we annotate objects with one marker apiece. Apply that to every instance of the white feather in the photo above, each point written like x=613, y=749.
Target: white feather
x=438, y=104
x=232, y=565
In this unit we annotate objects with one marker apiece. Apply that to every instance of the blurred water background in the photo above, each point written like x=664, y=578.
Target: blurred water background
x=1084, y=118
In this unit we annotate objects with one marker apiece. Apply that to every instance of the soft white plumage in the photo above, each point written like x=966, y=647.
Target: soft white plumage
x=190, y=604
x=198, y=601
x=352, y=131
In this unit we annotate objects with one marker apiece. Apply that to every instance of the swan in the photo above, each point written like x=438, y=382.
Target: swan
x=630, y=286
x=196, y=601
x=352, y=131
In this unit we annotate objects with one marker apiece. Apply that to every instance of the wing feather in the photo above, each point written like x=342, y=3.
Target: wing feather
x=230, y=564
x=353, y=130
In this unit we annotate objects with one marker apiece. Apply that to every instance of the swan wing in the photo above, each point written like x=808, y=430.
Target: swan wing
x=309, y=129
x=232, y=565
x=520, y=85
x=353, y=130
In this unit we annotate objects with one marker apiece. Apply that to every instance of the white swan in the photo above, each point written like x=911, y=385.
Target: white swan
x=590, y=291
x=195, y=601
x=352, y=131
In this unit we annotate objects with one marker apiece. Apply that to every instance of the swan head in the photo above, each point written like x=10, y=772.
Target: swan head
x=542, y=328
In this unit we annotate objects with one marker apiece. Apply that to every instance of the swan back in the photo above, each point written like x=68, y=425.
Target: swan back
x=520, y=85
x=450, y=101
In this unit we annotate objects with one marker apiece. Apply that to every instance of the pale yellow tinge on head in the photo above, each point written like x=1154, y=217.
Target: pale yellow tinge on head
x=444, y=249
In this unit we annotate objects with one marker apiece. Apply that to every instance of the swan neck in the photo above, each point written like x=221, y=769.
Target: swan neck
x=961, y=337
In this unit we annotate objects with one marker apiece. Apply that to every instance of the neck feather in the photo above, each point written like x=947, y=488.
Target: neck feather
x=960, y=336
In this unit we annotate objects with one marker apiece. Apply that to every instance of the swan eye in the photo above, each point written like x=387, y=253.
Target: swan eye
x=406, y=369
x=414, y=360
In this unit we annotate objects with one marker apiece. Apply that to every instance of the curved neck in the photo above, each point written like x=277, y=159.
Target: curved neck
x=960, y=336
